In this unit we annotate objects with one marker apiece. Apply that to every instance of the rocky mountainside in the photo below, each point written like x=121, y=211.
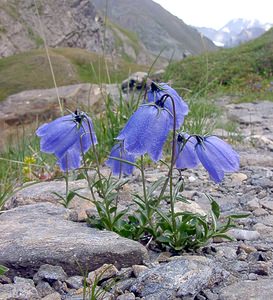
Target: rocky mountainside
x=235, y=32
x=136, y=30
x=70, y=23
x=157, y=28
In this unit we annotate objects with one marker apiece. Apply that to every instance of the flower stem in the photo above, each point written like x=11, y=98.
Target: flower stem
x=170, y=175
x=86, y=174
x=146, y=200
x=94, y=150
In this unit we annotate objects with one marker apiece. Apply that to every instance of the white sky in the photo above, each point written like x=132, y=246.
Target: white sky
x=216, y=13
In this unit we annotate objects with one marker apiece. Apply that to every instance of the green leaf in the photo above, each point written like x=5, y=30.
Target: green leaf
x=224, y=236
x=3, y=269
x=239, y=216
x=155, y=186
x=215, y=208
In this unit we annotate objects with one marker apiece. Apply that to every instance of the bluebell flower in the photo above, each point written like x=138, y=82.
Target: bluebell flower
x=157, y=91
x=216, y=156
x=117, y=166
x=67, y=137
x=186, y=157
x=146, y=131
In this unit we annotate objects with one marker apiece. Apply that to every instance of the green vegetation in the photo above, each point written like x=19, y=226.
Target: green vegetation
x=71, y=65
x=244, y=71
x=131, y=39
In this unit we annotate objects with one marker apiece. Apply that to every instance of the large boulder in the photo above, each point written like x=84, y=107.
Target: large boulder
x=37, y=234
x=182, y=277
x=21, y=110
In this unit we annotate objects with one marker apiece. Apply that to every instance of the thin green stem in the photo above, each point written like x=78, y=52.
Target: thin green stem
x=146, y=200
x=172, y=201
x=66, y=182
x=94, y=150
x=85, y=169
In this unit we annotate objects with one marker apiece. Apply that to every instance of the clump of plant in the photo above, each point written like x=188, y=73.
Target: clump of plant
x=159, y=117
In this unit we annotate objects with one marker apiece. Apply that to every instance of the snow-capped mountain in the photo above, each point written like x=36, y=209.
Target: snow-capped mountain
x=235, y=32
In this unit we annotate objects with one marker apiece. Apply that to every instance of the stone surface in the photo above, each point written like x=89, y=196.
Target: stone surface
x=44, y=192
x=42, y=105
x=19, y=291
x=74, y=282
x=50, y=273
x=248, y=289
x=106, y=271
x=43, y=234
x=184, y=276
x=247, y=235
x=53, y=296
x=251, y=113
x=44, y=289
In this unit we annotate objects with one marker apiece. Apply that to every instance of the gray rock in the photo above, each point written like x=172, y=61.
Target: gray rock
x=241, y=234
x=184, y=276
x=267, y=204
x=60, y=287
x=251, y=113
x=248, y=289
x=5, y=279
x=256, y=159
x=33, y=235
x=126, y=296
x=138, y=269
x=19, y=291
x=104, y=272
x=124, y=285
x=261, y=268
x=53, y=296
x=43, y=105
x=74, y=282
x=44, y=289
x=22, y=280
x=50, y=273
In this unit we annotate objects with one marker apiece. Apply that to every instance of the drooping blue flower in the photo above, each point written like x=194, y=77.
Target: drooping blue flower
x=117, y=166
x=216, y=156
x=146, y=131
x=67, y=137
x=186, y=157
x=157, y=91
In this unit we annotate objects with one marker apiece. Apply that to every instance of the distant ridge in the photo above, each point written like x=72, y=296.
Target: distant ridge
x=156, y=28
x=235, y=32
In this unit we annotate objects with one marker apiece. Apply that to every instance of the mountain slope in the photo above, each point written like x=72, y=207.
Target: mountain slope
x=156, y=27
x=243, y=70
x=70, y=23
x=30, y=70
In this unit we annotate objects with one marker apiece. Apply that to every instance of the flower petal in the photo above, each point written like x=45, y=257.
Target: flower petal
x=217, y=157
x=186, y=157
x=67, y=137
x=224, y=154
x=216, y=173
x=159, y=130
x=181, y=108
x=117, y=166
x=58, y=124
x=71, y=160
x=146, y=131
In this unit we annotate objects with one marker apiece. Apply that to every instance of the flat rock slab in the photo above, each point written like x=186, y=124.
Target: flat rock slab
x=248, y=289
x=251, y=113
x=182, y=277
x=37, y=234
x=44, y=192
